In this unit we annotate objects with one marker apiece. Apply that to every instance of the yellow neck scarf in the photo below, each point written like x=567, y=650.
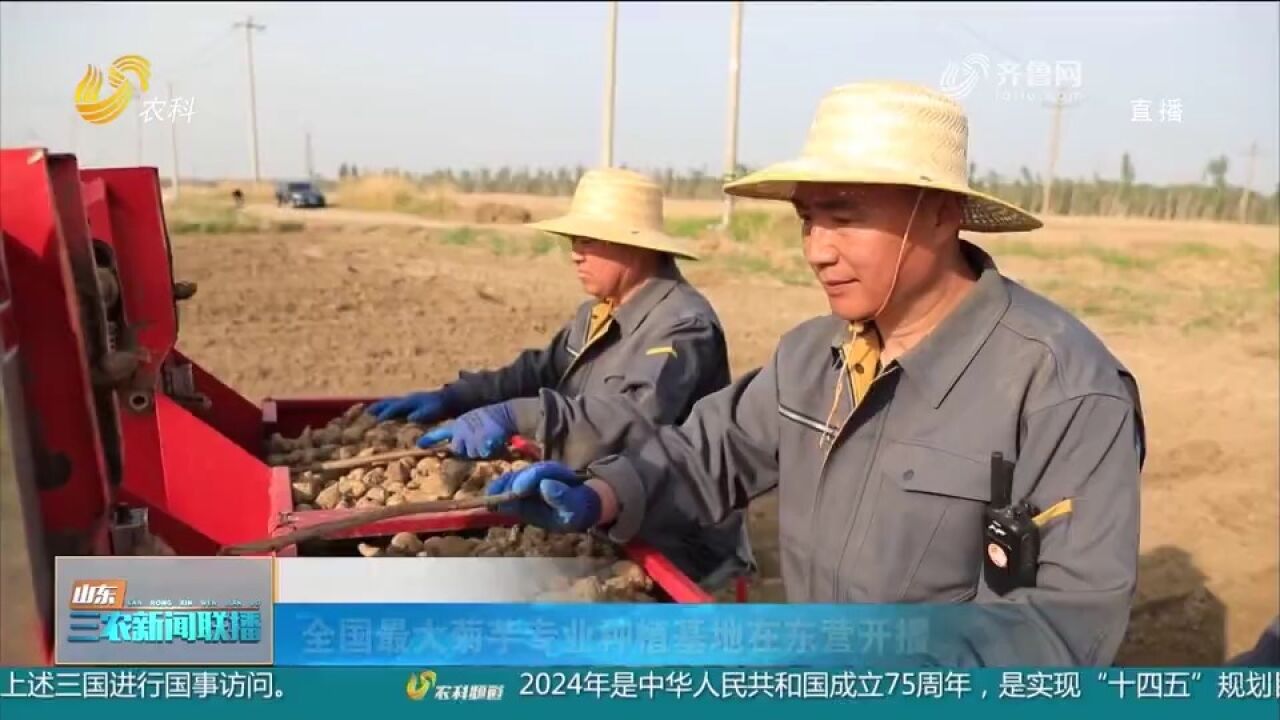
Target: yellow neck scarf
x=862, y=362
x=601, y=315
x=862, y=358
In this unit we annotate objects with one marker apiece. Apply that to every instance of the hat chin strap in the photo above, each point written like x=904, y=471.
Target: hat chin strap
x=857, y=327
x=897, y=266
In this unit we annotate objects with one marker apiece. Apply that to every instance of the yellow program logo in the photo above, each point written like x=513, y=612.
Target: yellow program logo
x=98, y=110
x=420, y=685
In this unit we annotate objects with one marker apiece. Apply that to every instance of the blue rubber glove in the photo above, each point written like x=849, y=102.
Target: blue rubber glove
x=420, y=407
x=478, y=434
x=555, y=497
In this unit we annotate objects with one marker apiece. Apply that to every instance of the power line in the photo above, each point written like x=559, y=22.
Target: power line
x=985, y=41
x=197, y=57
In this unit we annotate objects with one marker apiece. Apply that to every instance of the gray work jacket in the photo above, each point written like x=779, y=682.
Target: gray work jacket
x=663, y=349
x=886, y=504
x=659, y=353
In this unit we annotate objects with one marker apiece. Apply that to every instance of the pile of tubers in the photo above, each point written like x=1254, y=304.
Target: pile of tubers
x=440, y=477
x=617, y=581
x=358, y=434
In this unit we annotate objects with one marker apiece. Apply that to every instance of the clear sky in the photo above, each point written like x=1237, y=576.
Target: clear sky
x=424, y=86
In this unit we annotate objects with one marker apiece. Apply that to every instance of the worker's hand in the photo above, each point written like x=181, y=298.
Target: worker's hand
x=420, y=407
x=554, y=497
x=478, y=434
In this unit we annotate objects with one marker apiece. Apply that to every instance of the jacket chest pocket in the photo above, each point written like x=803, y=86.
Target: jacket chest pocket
x=587, y=372
x=800, y=453
x=925, y=534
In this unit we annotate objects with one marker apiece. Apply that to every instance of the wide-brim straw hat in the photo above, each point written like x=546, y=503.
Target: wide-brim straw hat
x=888, y=133
x=618, y=206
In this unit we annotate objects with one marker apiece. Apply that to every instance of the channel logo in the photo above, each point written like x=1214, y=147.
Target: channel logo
x=419, y=685
x=424, y=684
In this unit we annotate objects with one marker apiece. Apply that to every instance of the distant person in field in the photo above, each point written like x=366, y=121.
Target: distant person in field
x=237, y=197
x=648, y=345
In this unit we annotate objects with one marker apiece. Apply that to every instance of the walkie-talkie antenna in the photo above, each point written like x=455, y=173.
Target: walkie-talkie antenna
x=1001, y=481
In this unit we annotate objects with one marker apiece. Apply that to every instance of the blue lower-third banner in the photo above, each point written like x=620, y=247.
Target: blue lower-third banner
x=537, y=635
x=615, y=634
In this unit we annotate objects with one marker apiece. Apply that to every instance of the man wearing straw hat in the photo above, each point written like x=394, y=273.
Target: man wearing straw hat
x=877, y=423
x=649, y=346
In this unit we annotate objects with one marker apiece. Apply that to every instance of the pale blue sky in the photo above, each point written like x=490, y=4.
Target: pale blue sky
x=422, y=86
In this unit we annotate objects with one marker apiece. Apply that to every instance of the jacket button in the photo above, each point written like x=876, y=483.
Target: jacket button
x=857, y=367
x=908, y=474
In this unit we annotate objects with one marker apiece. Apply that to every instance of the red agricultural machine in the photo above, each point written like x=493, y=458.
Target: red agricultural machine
x=111, y=436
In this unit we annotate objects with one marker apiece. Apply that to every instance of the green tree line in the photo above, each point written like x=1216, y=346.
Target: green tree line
x=1213, y=198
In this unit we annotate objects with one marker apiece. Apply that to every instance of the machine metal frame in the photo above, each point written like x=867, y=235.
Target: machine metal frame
x=115, y=434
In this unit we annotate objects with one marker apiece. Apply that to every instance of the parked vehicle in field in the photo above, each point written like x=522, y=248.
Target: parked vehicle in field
x=299, y=194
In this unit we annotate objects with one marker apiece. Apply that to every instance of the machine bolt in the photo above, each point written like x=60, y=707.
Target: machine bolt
x=139, y=401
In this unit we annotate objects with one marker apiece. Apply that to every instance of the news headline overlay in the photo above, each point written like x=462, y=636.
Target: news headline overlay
x=538, y=635
x=426, y=612
x=163, y=610
x=664, y=691
x=642, y=634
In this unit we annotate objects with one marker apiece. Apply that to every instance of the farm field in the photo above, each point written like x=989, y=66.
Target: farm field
x=352, y=302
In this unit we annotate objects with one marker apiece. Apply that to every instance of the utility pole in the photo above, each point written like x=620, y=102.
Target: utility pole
x=138, y=124
x=1053, y=155
x=610, y=82
x=311, y=171
x=1248, y=183
x=249, y=27
x=173, y=138
x=731, y=121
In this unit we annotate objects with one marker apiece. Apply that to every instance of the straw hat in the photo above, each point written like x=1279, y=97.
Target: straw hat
x=618, y=206
x=888, y=133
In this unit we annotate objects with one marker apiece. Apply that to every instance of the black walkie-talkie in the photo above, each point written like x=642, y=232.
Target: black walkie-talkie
x=1012, y=539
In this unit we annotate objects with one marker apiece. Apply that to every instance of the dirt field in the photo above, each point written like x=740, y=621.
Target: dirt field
x=382, y=308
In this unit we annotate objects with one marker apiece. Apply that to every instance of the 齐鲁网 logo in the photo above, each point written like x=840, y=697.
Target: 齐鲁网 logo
x=958, y=80
x=101, y=110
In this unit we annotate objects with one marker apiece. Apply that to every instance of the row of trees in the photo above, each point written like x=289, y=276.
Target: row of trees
x=1213, y=198
x=1210, y=199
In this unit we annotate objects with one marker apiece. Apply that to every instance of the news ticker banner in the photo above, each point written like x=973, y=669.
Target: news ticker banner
x=416, y=612
x=665, y=691
x=433, y=612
